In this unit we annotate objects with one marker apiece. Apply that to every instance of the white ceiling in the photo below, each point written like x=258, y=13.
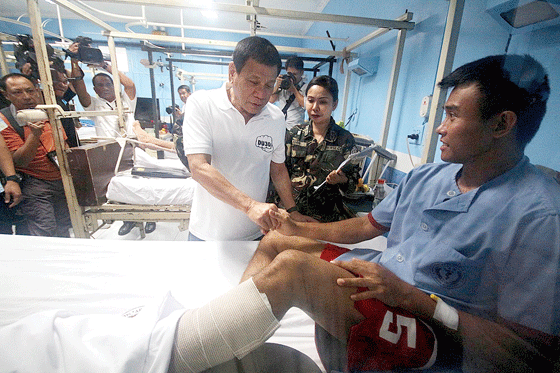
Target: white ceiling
x=192, y=17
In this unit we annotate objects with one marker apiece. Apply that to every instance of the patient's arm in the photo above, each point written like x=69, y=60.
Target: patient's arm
x=346, y=231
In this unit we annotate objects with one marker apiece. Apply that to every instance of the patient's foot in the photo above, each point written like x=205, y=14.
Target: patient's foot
x=150, y=227
x=126, y=228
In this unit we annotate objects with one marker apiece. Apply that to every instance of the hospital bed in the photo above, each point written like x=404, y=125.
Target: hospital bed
x=115, y=277
x=118, y=277
x=124, y=196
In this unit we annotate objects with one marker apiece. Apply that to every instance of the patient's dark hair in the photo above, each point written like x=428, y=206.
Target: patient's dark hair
x=507, y=83
x=326, y=82
x=257, y=48
x=4, y=79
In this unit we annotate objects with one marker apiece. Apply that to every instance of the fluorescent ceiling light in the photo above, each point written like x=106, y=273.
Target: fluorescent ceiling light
x=529, y=14
x=210, y=14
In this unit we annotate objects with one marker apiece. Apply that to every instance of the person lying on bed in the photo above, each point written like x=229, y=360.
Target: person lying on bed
x=480, y=232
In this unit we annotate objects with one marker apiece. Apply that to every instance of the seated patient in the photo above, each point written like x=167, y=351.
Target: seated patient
x=473, y=246
x=314, y=150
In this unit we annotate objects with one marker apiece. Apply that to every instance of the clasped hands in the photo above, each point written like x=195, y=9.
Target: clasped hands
x=269, y=217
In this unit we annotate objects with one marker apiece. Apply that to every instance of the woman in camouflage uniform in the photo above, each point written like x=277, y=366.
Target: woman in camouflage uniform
x=314, y=150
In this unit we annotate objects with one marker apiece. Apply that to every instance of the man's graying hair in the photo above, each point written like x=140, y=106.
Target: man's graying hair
x=258, y=49
x=508, y=83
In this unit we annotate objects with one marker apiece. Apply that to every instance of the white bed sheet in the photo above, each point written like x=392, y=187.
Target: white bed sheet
x=138, y=190
x=113, y=277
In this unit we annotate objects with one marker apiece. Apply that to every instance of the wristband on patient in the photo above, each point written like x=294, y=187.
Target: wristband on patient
x=445, y=314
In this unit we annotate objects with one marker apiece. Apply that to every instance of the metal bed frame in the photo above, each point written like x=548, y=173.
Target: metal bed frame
x=85, y=220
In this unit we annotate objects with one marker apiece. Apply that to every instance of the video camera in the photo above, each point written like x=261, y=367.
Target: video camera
x=24, y=52
x=287, y=81
x=86, y=53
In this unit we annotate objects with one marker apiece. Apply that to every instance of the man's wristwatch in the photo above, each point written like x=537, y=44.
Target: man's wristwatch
x=15, y=178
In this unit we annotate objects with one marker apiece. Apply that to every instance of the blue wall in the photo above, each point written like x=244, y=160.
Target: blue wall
x=480, y=35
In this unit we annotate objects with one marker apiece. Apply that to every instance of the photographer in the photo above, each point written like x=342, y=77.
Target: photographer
x=26, y=59
x=105, y=126
x=289, y=90
x=108, y=125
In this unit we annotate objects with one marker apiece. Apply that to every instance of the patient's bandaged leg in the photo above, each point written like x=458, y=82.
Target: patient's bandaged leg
x=228, y=327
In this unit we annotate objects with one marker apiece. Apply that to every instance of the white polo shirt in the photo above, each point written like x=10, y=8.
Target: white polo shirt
x=240, y=152
x=108, y=126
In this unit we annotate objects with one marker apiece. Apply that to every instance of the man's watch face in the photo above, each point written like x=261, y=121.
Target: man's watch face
x=15, y=178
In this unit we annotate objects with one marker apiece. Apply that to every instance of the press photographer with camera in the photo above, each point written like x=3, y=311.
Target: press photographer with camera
x=108, y=125
x=105, y=126
x=289, y=92
x=26, y=62
x=177, y=111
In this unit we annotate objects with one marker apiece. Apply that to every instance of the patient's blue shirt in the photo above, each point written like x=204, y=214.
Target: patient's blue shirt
x=493, y=251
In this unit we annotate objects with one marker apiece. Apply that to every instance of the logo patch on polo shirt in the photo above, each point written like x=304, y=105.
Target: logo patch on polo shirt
x=449, y=275
x=265, y=143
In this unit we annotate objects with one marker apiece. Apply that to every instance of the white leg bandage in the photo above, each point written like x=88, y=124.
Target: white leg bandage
x=229, y=326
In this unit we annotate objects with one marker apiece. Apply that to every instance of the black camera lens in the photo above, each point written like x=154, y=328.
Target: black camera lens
x=169, y=109
x=287, y=81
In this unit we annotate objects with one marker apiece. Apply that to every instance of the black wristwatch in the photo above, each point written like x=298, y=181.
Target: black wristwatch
x=15, y=178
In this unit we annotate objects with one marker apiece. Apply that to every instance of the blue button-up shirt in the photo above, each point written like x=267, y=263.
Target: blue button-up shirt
x=493, y=251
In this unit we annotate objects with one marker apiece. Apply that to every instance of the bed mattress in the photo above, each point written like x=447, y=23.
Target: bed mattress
x=115, y=277
x=139, y=190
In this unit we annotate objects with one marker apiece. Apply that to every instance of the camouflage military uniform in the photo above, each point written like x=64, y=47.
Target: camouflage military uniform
x=309, y=163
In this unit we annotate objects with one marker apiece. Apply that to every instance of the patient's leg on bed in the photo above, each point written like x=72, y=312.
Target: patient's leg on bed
x=302, y=280
x=228, y=327
x=273, y=244
x=242, y=319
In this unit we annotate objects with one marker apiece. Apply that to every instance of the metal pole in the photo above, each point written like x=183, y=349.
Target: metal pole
x=117, y=84
x=447, y=55
x=397, y=59
x=347, y=79
x=76, y=213
x=155, y=108
x=171, y=83
x=3, y=63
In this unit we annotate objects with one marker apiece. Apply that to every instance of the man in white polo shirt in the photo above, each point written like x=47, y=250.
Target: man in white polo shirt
x=107, y=126
x=234, y=142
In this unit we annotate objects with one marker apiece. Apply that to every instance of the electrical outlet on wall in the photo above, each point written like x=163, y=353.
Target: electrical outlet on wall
x=416, y=136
